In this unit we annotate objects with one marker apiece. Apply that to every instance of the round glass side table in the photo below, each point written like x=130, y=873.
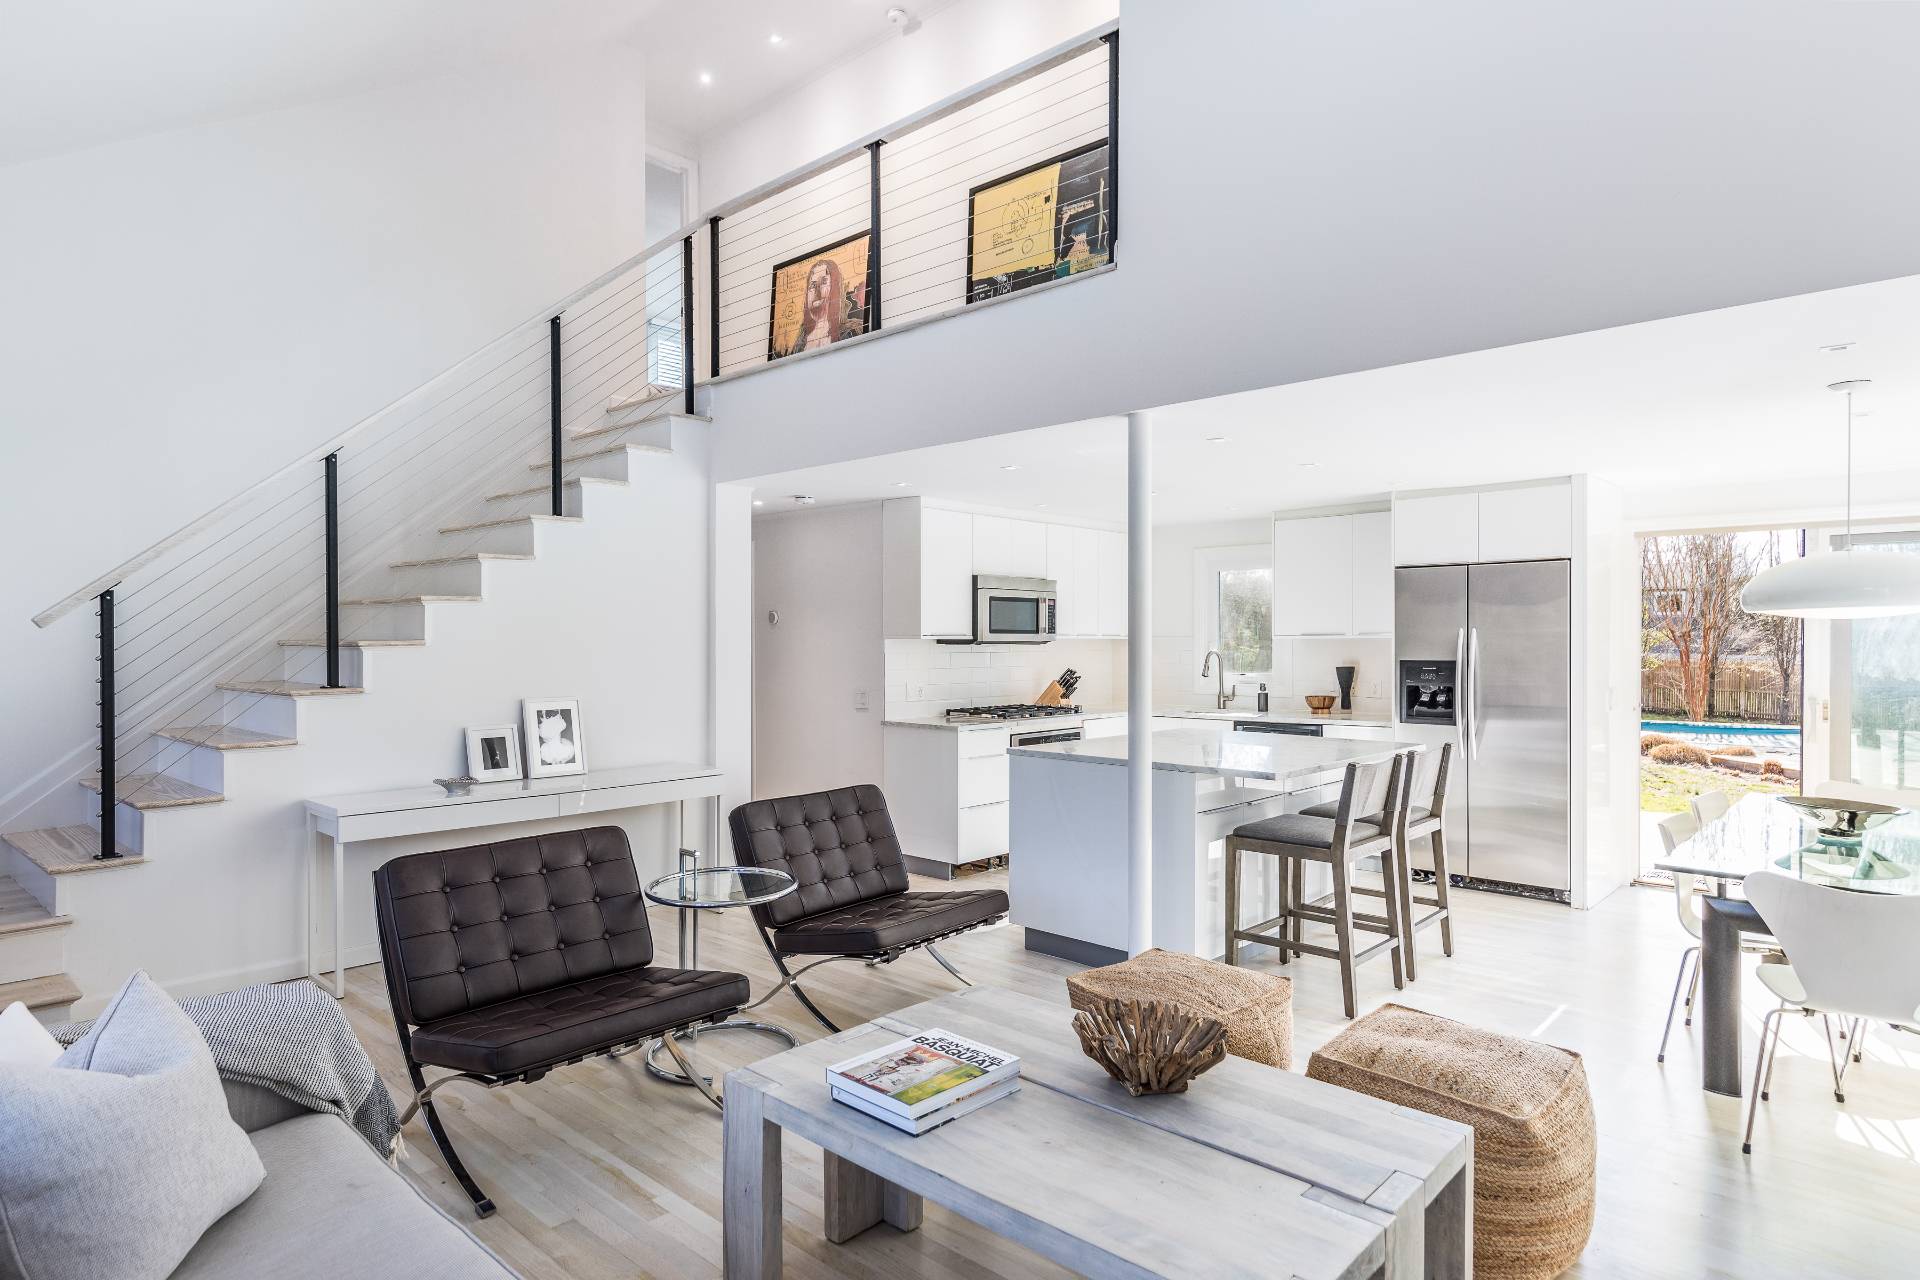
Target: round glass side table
x=694, y=889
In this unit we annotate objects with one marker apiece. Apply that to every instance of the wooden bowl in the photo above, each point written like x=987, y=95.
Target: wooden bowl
x=1320, y=703
x=1148, y=1046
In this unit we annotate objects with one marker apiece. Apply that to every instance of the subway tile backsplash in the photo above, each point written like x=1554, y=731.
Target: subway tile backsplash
x=924, y=677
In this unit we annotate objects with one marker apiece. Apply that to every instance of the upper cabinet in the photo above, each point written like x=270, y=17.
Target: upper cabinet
x=1332, y=575
x=1530, y=522
x=931, y=555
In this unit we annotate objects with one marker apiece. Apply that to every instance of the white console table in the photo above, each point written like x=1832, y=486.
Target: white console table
x=334, y=821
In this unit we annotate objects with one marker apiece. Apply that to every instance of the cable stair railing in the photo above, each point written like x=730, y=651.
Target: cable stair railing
x=208, y=638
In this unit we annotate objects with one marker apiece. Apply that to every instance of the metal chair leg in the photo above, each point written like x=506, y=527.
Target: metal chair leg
x=787, y=980
x=1773, y=1056
x=1693, y=988
x=944, y=964
x=699, y=1079
x=1753, y=1105
x=1833, y=1059
x=1674, y=1003
x=482, y=1204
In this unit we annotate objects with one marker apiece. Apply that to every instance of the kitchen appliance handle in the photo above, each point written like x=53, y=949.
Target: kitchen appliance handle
x=1473, y=684
x=1462, y=726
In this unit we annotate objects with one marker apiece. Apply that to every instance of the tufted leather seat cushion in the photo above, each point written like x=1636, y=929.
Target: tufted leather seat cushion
x=839, y=847
x=899, y=920
x=581, y=1017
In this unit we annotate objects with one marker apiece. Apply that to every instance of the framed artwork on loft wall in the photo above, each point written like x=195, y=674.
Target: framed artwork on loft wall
x=493, y=753
x=555, y=744
x=1043, y=222
x=819, y=298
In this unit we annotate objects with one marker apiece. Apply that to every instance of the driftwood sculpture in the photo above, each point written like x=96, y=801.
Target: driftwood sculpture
x=1148, y=1046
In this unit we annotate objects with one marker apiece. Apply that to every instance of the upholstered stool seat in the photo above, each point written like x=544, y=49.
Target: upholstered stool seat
x=1533, y=1139
x=1257, y=1008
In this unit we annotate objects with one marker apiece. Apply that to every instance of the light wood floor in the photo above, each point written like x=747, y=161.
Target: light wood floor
x=602, y=1171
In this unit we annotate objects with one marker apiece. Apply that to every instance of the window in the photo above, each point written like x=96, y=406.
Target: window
x=1881, y=659
x=1234, y=590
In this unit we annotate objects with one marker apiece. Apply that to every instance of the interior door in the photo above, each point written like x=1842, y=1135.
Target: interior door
x=1519, y=723
x=1430, y=624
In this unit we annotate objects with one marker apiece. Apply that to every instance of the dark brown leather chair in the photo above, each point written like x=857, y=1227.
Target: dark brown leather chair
x=507, y=960
x=852, y=902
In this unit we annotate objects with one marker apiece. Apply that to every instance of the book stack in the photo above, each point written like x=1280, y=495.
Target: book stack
x=924, y=1081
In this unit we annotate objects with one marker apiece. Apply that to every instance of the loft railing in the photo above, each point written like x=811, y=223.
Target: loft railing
x=920, y=216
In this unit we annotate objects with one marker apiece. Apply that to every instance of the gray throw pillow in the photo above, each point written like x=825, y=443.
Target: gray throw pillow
x=118, y=1156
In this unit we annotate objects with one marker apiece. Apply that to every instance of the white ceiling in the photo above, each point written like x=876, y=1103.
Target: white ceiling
x=731, y=41
x=77, y=73
x=1720, y=411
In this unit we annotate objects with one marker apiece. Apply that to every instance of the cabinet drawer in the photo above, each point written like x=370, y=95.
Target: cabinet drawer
x=983, y=832
x=983, y=780
x=982, y=742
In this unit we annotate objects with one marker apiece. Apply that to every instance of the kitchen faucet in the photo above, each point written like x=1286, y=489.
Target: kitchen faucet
x=1221, y=698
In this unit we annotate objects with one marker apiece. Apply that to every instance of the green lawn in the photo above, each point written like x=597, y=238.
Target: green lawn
x=1666, y=788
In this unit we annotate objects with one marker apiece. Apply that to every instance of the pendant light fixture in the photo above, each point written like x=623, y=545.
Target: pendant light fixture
x=1844, y=583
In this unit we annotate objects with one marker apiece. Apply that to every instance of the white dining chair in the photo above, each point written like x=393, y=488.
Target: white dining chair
x=1709, y=805
x=1854, y=956
x=1674, y=829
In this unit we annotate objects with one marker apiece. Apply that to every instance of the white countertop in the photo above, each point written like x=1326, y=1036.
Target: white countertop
x=434, y=797
x=1178, y=713
x=941, y=722
x=1225, y=754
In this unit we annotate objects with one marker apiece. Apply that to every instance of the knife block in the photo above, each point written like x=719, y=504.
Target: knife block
x=1051, y=696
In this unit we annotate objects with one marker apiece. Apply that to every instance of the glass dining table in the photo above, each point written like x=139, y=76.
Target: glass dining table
x=1762, y=832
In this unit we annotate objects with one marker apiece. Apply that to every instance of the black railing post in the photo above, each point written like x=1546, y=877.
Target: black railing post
x=1112, y=41
x=553, y=389
x=109, y=843
x=333, y=570
x=686, y=319
x=873, y=235
x=713, y=297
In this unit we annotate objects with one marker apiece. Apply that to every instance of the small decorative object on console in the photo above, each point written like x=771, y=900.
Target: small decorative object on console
x=1320, y=703
x=1148, y=1046
x=493, y=753
x=1844, y=819
x=555, y=744
x=461, y=786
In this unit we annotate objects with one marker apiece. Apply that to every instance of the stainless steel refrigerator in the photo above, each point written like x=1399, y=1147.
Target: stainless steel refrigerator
x=1484, y=658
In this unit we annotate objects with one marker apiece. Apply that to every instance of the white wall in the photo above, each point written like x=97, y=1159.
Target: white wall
x=188, y=311
x=1401, y=181
x=820, y=571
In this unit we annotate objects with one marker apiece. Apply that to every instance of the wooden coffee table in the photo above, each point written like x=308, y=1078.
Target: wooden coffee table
x=1253, y=1172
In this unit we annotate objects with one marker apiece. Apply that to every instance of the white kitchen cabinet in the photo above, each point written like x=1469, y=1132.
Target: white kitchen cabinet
x=1111, y=554
x=1531, y=523
x=1313, y=576
x=1441, y=529
x=927, y=571
x=1067, y=610
x=1372, y=573
x=1009, y=548
x=1086, y=582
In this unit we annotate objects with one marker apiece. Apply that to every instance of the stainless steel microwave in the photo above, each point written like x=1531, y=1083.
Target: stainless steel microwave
x=1013, y=610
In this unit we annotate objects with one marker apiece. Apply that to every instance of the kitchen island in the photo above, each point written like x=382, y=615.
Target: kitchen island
x=1067, y=873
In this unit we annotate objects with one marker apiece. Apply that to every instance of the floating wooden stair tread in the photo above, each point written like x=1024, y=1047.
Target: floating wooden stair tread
x=461, y=559
x=505, y=521
x=320, y=642
x=60, y=851
x=154, y=791
x=21, y=912
x=225, y=737
x=416, y=600
x=565, y=458
x=40, y=993
x=285, y=688
x=531, y=490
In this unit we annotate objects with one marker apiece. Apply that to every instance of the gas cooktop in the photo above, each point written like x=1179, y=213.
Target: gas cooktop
x=1011, y=711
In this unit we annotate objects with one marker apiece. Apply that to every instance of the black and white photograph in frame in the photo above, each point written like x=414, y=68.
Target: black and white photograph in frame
x=554, y=742
x=493, y=753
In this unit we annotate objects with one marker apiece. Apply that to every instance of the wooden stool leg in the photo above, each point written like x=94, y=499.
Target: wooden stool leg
x=1390, y=899
x=1294, y=927
x=1402, y=889
x=1343, y=931
x=1233, y=901
x=1440, y=885
x=1283, y=877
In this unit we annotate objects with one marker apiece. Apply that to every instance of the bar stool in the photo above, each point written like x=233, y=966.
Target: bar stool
x=1425, y=823
x=1377, y=789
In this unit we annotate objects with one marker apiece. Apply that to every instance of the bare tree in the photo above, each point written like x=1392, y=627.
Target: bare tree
x=1691, y=585
x=1780, y=638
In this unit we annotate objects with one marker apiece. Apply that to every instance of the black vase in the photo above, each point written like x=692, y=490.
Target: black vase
x=1345, y=676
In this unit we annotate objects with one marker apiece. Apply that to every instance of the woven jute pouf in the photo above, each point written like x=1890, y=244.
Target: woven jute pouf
x=1257, y=1008
x=1533, y=1172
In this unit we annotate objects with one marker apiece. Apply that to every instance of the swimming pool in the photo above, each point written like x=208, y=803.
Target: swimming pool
x=1720, y=732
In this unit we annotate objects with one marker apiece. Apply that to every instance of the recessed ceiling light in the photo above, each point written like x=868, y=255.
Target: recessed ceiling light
x=1039, y=506
x=1837, y=346
x=1309, y=465
x=1217, y=439
x=759, y=502
x=899, y=484
x=774, y=38
x=706, y=77
x=1011, y=466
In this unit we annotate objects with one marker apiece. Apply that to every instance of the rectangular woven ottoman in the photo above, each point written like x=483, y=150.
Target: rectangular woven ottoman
x=1257, y=1008
x=1532, y=1119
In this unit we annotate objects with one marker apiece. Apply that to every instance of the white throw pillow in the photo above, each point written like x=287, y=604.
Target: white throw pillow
x=23, y=1041
x=120, y=1155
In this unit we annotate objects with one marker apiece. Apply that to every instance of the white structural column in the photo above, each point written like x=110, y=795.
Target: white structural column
x=1139, y=683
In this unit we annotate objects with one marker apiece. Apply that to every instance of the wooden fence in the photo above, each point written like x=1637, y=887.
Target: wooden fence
x=1741, y=691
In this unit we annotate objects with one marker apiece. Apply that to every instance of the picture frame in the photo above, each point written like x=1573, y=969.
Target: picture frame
x=493, y=753
x=555, y=744
x=1042, y=222
x=798, y=319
